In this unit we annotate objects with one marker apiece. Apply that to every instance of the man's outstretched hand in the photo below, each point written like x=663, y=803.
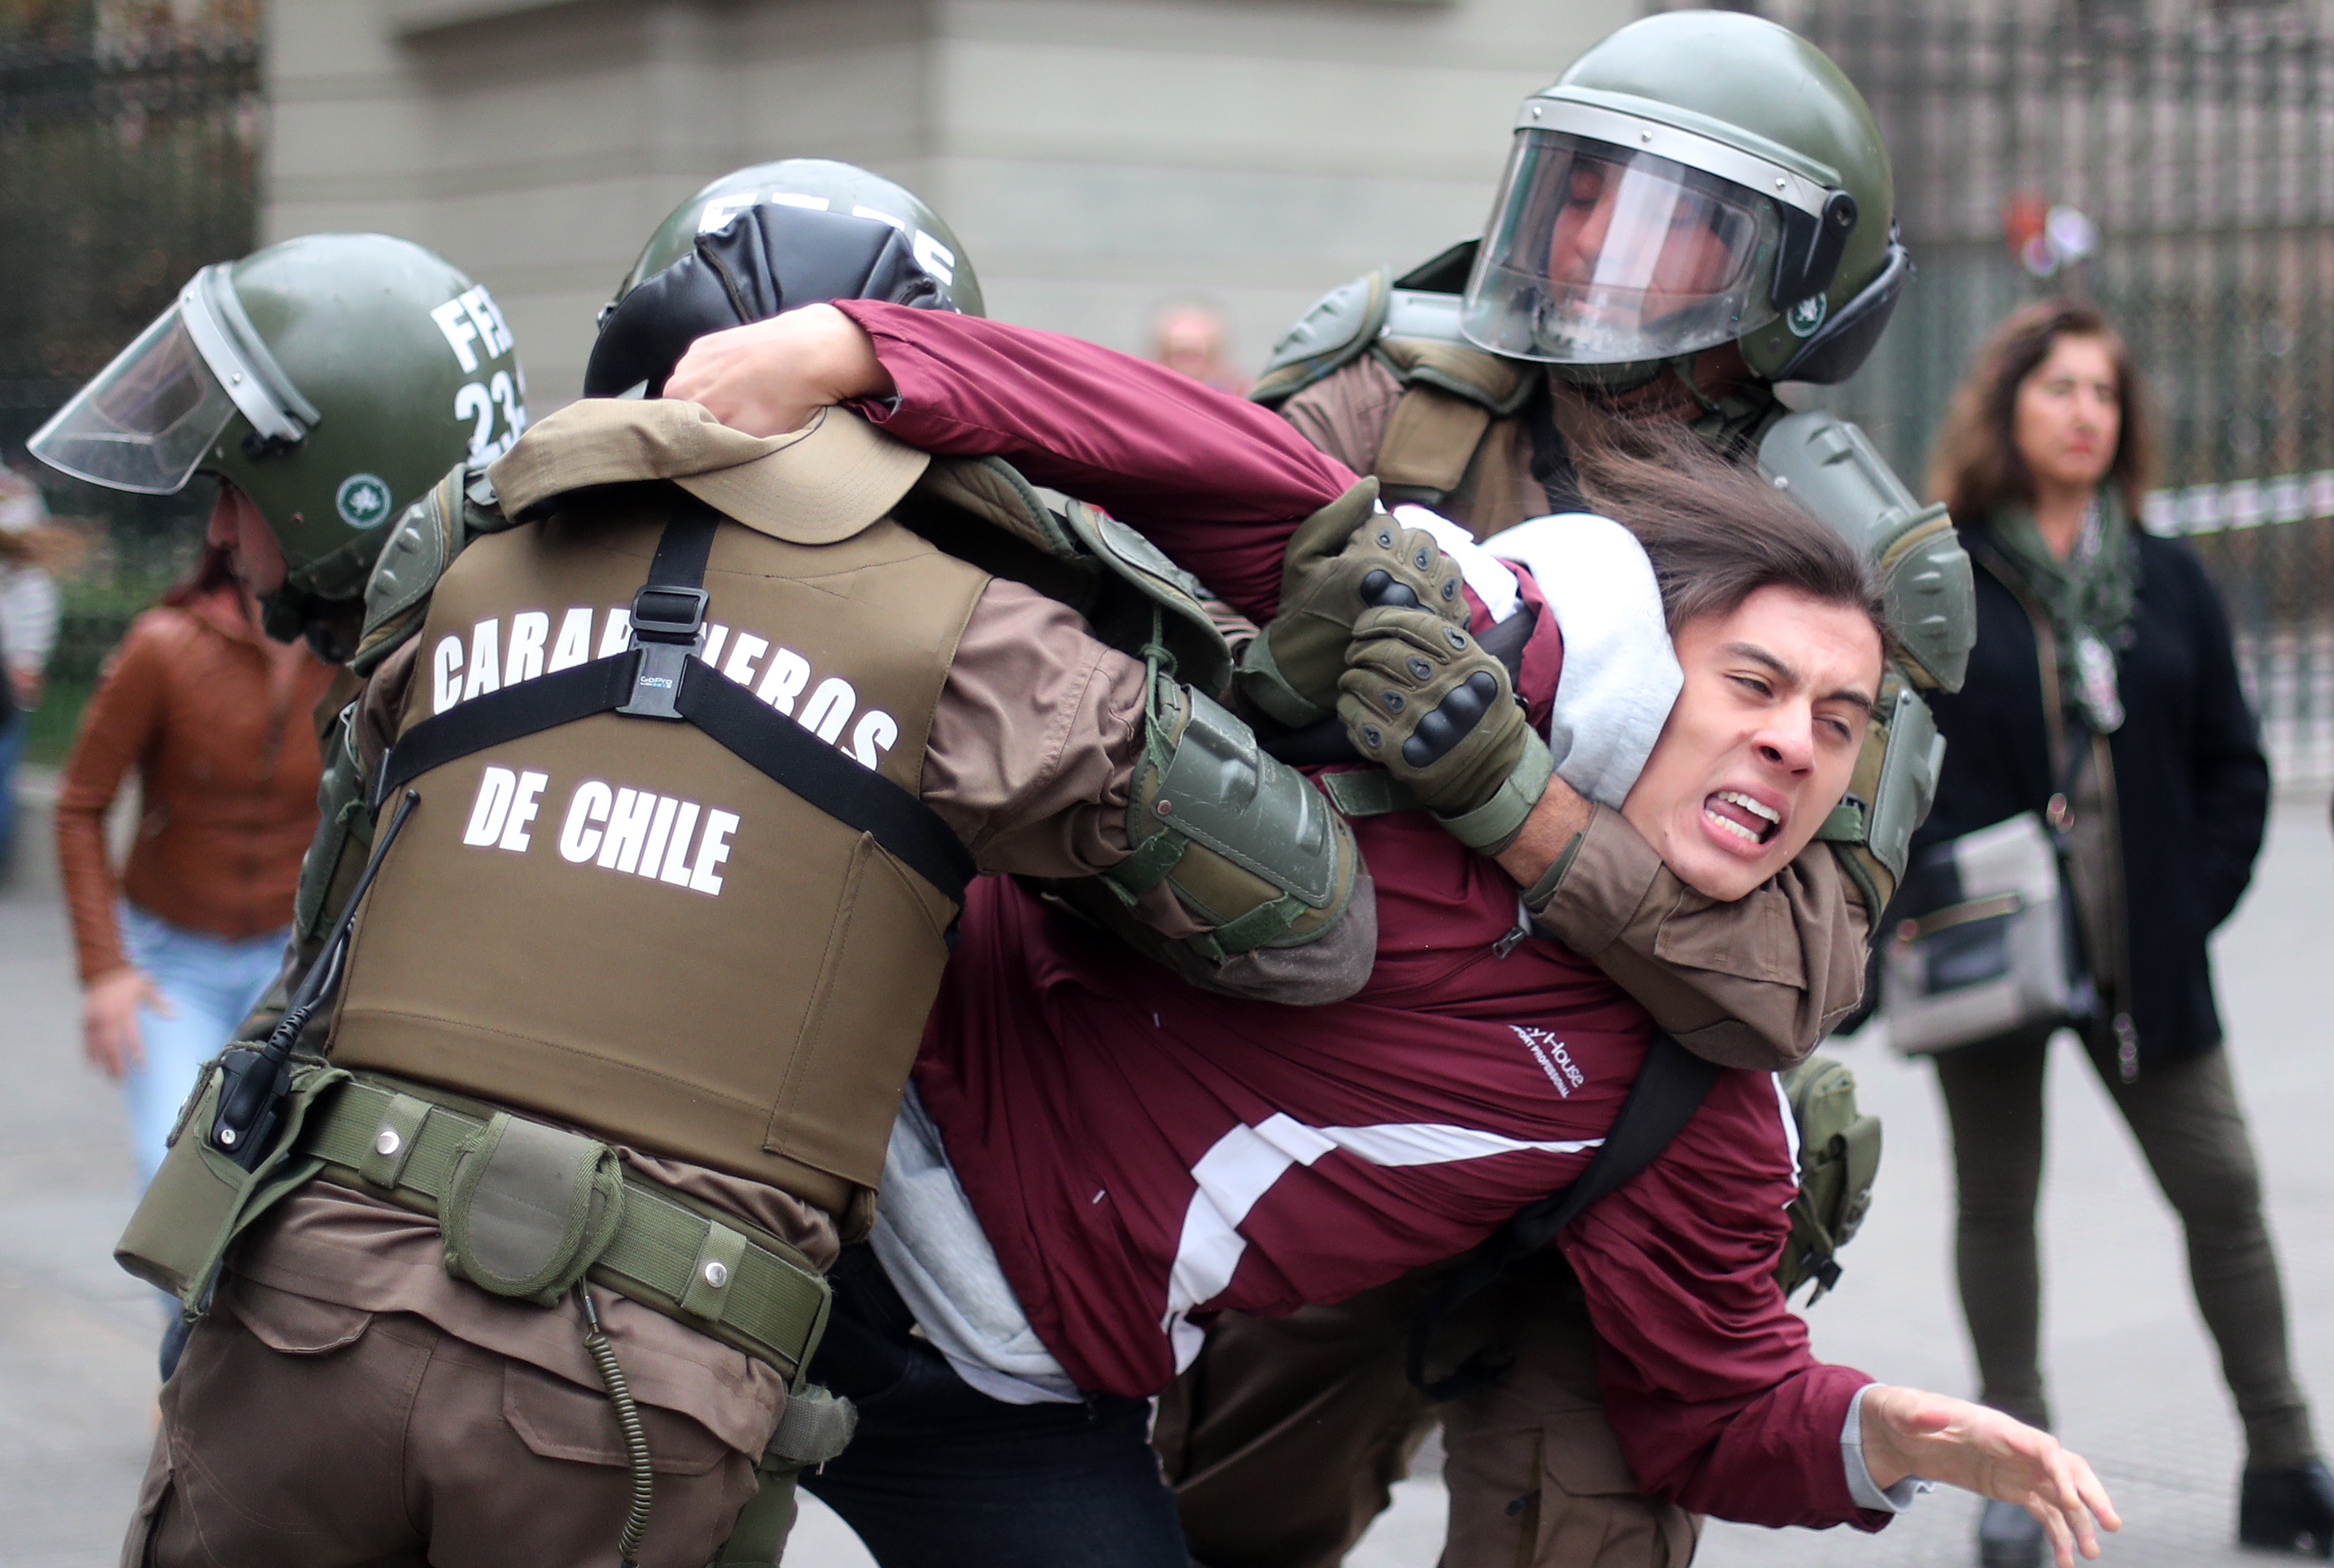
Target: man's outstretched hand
x=1907, y=1432
x=767, y=377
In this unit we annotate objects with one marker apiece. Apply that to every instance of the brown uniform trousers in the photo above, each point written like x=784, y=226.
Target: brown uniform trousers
x=333, y=1436
x=1283, y=1437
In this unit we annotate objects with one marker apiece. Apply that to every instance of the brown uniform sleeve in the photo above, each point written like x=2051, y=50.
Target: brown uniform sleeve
x=1753, y=983
x=1344, y=413
x=115, y=729
x=1034, y=740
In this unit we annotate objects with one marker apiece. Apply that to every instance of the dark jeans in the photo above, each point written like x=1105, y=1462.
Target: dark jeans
x=2186, y=1118
x=940, y=1476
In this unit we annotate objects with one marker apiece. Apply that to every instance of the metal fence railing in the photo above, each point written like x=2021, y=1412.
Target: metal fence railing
x=122, y=170
x=2182, y=177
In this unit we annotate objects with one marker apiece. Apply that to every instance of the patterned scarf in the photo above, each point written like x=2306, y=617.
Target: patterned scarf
x=2091, y=596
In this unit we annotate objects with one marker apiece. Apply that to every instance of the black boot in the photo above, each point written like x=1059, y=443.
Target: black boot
x=2008, y=1536
x=2288, y=1510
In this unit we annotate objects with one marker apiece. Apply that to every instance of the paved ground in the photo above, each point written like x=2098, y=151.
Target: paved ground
x=2136, y=1382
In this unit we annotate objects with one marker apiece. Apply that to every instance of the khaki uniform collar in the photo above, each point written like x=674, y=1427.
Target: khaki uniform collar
x=816, y=486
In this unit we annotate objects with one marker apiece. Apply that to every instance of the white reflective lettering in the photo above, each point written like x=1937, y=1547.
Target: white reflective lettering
x=740, y=667
x=617, y=635
x=829, y=708
x=579, y=840
x=446, y=672
x=900, y=224
x=934, y=258
x=676, y=860
x=495, y=786
x=783, y=680
x=714, y=638
x=476, y=404
x=458, y=332
x=628, y=821
x=485, y=673
x=530, y=629
x=512, y=400
x=711, y=851
x=721, y=209
x=515, y=837
x=660, y=826
x=872, y=736
x=480, y=309
x=574, y=644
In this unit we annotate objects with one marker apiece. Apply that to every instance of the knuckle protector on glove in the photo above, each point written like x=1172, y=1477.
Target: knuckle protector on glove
x=1290, y=669
x=1246, y=841
x=1425, y=701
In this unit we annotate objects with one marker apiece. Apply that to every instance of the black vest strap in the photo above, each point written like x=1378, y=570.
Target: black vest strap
x=1670, y=1087
x=775, y=744
x=753, y=731
x=544, y=703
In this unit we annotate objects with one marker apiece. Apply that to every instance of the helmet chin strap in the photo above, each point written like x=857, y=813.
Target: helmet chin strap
x=295, y=614
x=1681, y=367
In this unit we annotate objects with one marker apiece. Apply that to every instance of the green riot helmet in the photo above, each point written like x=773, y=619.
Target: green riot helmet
x=332, y=379
x=822, y=186
x=1700, y=178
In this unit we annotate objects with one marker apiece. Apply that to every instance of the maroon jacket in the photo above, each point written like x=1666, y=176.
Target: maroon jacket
x=1139, y=1151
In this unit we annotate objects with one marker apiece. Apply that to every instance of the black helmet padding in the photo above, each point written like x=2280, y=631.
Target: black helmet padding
x=767, y=259
x=1839, y=347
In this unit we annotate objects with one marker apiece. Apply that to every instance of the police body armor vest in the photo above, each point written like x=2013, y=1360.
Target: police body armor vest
x=619, y=924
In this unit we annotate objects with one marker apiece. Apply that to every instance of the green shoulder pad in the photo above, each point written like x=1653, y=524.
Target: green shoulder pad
x=1338, y=330
x=433, y=531
x=1453, y=365
x=1152, y=596
x=1829, y=468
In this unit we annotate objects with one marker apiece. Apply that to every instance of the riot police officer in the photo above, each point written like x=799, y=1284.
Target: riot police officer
x=325, y=383
x=1699, y=209
x=680, y=747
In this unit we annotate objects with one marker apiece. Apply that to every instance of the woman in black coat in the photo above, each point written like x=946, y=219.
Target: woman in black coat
x=2155, y=770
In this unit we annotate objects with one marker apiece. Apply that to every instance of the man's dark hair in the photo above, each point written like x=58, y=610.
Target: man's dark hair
x=1717, y=532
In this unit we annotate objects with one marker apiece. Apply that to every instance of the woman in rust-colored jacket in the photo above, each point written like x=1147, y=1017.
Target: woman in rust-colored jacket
x=214, y=718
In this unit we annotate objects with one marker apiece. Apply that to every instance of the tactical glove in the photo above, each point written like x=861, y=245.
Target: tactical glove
x=1342, y=561
x=1419, y=698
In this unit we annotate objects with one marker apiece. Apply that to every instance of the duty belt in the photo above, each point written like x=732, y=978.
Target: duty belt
x=715, y=1274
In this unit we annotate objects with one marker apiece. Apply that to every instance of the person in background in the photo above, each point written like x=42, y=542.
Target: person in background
x=2042, y=460
x=214, y=718
x=30, y=550
x=1192, y=340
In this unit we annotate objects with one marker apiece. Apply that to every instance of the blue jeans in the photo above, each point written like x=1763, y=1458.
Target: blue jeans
x=940, y=1476
x=212, y=983
x=13, y=726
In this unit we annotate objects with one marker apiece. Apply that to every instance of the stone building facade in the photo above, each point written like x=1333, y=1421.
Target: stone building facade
x=1097, y=157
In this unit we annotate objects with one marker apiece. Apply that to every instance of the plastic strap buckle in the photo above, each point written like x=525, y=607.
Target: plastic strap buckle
x=668, y=629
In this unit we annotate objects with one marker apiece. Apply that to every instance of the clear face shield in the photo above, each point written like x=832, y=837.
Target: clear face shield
x=1603, y=254
x=147, y=420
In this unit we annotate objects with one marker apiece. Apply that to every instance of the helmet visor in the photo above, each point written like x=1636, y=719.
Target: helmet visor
x=146, y=420
x=1599, y=255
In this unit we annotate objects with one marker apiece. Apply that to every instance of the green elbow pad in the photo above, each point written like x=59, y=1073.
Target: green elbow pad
x=1246, y=841
x=1889, y=794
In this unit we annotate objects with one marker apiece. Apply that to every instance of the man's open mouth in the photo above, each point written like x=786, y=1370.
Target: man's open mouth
x=1748, y=820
